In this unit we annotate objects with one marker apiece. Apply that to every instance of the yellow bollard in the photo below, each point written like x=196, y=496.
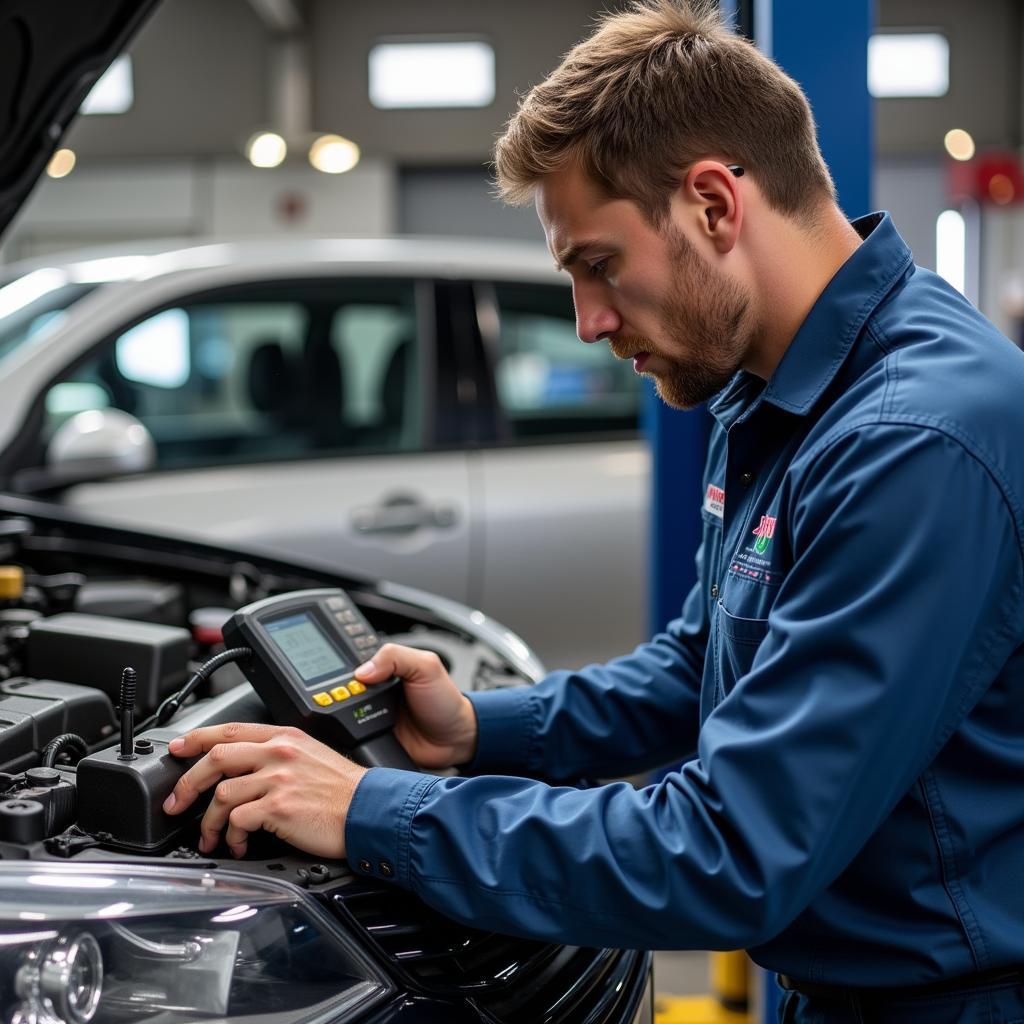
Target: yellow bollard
x=729, y=1002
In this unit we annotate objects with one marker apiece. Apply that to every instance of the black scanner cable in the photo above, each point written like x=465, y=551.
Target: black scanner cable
x=169, y=708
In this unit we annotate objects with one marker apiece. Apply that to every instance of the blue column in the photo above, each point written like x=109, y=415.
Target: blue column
x=824, y=46
x=678, y=447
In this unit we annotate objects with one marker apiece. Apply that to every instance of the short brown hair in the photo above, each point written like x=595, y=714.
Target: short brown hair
x=655, y=88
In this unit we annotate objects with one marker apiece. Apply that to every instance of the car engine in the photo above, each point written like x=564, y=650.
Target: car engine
x=108, y=910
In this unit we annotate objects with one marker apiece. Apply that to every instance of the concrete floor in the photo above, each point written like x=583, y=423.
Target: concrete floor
x=681, y=974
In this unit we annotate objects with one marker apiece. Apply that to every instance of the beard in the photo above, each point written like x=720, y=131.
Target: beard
x=702, y=322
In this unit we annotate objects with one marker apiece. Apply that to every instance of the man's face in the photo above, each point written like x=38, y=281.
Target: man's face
x=646, y=290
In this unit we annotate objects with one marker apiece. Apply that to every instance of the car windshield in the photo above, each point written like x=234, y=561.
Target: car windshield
x=33, y=304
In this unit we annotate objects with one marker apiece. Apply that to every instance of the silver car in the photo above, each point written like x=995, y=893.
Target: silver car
x=416, y=410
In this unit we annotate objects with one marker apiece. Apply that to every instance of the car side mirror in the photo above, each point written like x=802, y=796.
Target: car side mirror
x=91, y=445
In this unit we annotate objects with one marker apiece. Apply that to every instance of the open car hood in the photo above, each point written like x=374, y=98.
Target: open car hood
x=51, y=54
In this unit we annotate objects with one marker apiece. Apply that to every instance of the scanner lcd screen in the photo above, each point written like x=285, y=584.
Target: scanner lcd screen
x=306, y=648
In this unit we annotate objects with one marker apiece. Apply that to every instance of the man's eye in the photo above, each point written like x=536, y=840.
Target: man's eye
x=597, y=269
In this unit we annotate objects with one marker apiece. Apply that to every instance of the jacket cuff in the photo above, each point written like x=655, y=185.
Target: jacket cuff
x=506, y=732
x=378, y=822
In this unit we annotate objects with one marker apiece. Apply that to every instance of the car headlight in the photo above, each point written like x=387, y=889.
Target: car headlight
x=95, y=944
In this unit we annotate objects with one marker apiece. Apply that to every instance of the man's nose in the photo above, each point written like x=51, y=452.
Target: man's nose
x=595, y=320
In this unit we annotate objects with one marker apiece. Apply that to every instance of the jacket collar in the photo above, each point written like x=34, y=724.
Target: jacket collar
x=825, y=338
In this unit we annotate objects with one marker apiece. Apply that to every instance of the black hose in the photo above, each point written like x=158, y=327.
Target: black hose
x=68, y=741
x=169, y=708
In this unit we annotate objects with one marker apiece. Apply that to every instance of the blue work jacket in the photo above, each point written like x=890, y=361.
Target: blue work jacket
x=845, y=684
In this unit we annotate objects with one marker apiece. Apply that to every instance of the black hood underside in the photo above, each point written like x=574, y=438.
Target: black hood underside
x=51, y=54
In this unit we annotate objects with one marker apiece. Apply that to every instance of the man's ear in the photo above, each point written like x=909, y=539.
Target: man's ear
x=713, y=196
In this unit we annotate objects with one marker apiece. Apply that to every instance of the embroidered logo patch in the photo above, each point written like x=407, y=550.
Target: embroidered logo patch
x=714, y=501
x=764, y=532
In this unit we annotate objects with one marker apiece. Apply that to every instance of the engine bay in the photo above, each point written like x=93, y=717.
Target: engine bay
x=112, y=913
x=79, y=606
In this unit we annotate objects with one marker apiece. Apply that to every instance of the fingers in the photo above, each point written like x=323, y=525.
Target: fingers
x=408, y=663
x=199, y=741
x=244, y=820
x=227, y=798
x=223, y=759
x=277, y=779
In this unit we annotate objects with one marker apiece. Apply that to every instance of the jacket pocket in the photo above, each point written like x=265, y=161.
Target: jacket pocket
x=738, y=640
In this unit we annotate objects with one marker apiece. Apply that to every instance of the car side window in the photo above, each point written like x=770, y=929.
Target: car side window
x=550, y=385
x=282, y=372
x=375, y=345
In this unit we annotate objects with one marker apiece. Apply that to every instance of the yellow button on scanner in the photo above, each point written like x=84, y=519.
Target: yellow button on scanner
x=340, y=693
x=323, y=699
x=356, y=687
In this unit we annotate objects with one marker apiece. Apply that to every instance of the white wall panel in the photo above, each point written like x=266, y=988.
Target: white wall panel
x=245, y=201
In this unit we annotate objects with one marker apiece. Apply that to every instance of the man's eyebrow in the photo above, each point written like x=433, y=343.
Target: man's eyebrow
x=566, y=257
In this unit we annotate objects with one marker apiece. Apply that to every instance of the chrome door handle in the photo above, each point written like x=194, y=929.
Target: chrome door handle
x=402, y=515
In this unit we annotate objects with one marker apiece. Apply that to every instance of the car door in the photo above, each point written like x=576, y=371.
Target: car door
x=564, y=517
x=296, y=416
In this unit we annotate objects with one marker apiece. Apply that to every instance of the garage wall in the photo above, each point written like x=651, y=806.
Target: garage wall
x=459, y=201
x=205, y=92
x=985, y=84
x=914, y=191
x=108, y=203
x=201, y=93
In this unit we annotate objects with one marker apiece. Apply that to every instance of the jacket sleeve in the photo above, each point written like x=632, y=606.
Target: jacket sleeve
x=630, y=715
x=894, y=618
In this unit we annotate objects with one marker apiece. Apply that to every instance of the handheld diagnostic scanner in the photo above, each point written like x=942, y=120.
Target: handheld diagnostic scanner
x=305, y=646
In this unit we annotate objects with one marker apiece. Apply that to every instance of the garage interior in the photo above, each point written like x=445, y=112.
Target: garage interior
x=210, y=91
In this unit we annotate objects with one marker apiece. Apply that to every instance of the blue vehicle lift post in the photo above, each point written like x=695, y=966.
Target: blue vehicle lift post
x=824, y=47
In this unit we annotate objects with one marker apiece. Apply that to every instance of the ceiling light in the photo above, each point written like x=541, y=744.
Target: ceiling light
x=333, y=155
x=266, y=149
x=959, y=144
x=61, y=164
x=908, y=64
x=431, y=73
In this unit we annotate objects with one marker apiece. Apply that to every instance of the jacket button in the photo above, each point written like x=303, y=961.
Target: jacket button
x=714, y=590
x=386, y=869
x=365, y=865
x=746, y=479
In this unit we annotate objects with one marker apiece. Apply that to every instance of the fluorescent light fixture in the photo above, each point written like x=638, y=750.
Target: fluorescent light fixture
x=333, y=154
x=951, y=248
x=61, y=164
x=908, y=64
x=266, y=149
x=114, y=93
x=431, y=73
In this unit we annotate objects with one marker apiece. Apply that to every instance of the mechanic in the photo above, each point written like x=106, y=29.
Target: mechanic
x=845, y=680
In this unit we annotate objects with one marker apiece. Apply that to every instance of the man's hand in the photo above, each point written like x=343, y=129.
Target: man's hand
x=437, y=724
x=268, y=777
